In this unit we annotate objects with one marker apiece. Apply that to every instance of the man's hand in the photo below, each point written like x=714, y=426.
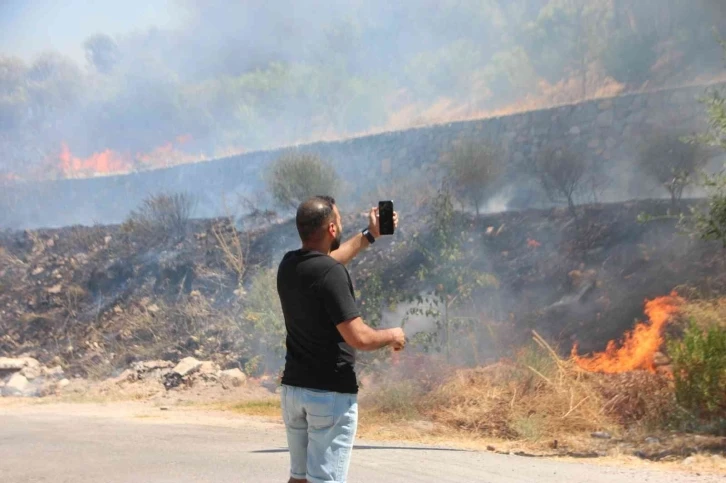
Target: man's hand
x=374, y=225
x=399, y=339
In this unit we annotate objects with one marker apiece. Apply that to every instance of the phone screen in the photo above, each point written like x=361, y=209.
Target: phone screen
x=385, y=217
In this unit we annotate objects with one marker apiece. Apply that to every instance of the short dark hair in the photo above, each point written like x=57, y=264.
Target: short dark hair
x=312, y=215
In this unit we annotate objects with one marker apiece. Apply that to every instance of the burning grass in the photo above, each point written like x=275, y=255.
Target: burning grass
x=537, y=397
x=639, y=346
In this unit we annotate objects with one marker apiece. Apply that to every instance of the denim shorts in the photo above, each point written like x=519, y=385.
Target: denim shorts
x=321, y=428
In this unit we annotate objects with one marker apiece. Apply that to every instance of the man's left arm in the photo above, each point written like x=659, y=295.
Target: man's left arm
x=353, y=246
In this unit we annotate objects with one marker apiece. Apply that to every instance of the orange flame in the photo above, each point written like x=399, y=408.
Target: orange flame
x=531, y=243
x=9, y=176
x=112, y=162
x=639, y=346
x=105, y=162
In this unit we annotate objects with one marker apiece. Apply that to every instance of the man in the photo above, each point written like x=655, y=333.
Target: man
x=324, y=330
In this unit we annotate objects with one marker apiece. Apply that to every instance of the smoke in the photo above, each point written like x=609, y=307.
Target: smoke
x=228, y=78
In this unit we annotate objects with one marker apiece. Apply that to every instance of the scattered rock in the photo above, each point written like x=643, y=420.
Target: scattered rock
x=154, y=365
x=53, y=372
x=208, y=367
x=234, y=376
x=63, y=383
x=128, y=375
x=652, y=440
x=689, y=461
x=187, y=366
x=153, y=308
x=491, y=448
x=601, y=435
x=172, y=380
x=38, y=271
x=32, y=368
x=181, y=372
x=17, y=385
x=55, y=289
x=8, y=364
x=31, y=372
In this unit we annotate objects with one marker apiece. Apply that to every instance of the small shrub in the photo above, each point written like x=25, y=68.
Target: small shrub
x=395, y=398
x=294, y=177
x=233, y=246
x=671, y=162
x=161, y=218
x=530, y=427
x=699, y=370
x=711, y=224
x=473, y=169
x=561, y=173
x=254, y=366
x=264, y=320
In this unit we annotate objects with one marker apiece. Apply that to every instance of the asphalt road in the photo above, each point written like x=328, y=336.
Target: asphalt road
x=58, y=447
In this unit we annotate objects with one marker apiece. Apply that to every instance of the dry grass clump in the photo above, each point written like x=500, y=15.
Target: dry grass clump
x=478, y=400
x=637, y=397
x=161, y=218
x=705, y=312
x=538, y=396
x=401, y=393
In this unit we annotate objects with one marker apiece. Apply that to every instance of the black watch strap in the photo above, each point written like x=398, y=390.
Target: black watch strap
x=368, y=235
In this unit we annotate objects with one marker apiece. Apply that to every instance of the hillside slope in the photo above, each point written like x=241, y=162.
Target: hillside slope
x=95, y=299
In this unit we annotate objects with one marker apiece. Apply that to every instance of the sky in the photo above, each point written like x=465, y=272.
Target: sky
x=30, y=27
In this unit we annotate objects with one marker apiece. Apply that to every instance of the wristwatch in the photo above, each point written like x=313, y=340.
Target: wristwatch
x=368, y=235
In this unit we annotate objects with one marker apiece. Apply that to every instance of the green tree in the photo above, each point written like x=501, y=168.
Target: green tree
x=450, y=70
x=54, y=84
x=447, y=272
x=102, y=52
x=509, y=75
x=13, y=93
x=630, y=55
x=567, y=37
x=473, y=168
x=711, y=223
x=672, y=163
x=294, y=176
x=561, y=174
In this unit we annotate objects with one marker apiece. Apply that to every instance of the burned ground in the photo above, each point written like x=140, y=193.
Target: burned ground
x=95, y=296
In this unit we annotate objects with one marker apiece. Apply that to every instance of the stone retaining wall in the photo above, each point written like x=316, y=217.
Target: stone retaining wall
x=609, y=130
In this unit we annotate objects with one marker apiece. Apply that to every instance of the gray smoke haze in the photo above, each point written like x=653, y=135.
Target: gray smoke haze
x=225, y=78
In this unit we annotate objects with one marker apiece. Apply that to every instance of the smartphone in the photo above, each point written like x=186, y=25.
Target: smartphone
x=385, y=217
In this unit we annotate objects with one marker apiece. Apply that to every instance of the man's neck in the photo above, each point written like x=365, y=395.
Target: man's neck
x=315, y=247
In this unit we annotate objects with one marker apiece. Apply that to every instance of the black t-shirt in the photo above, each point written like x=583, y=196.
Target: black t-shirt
x=316, y=294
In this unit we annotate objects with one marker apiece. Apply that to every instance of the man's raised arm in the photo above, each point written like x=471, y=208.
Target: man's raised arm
x=353, y=246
